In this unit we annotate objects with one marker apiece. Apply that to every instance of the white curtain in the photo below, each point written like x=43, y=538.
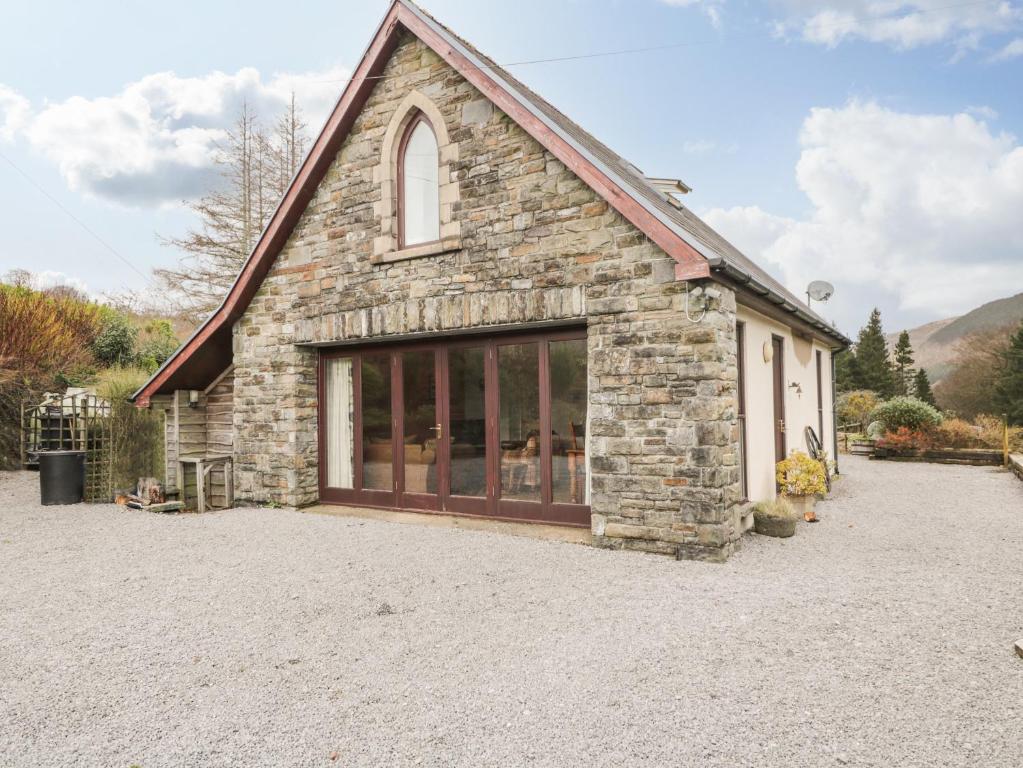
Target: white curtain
x=340, y=405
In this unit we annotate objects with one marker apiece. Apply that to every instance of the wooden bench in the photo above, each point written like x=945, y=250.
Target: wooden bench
x=203, y=466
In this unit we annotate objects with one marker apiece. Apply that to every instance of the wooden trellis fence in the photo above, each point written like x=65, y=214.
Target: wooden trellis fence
x=76, y=421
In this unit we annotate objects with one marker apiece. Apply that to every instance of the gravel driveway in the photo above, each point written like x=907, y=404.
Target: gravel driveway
x=880, y=636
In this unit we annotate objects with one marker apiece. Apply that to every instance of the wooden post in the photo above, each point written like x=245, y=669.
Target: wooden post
x=1005, y=440
x=182, y=495
x=21, y=442
x=229, y=483
x=200, y=489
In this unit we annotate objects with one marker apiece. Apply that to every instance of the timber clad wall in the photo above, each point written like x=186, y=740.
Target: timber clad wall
x=536, y=244
x=204, y=430
x=191, y=425
x=220, y=432
x=170, y=445
x=191, y=432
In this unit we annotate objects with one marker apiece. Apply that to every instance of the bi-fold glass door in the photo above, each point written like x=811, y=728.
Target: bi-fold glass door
x=381, y=429
x=493, y=427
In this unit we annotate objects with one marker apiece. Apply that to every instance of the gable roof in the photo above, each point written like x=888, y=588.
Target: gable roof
x=697, y=249
x=721, y=256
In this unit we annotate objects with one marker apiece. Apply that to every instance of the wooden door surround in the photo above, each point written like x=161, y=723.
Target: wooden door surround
x=778, y=379
x=506, y=467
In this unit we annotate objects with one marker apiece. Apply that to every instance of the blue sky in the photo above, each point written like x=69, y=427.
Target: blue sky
x=873, y=143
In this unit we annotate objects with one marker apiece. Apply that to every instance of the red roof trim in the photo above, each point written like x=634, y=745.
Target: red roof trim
x=291, y=207
x=696, y=265
x=690, y=263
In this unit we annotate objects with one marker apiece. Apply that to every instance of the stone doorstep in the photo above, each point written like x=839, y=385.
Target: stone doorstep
x=564, y=533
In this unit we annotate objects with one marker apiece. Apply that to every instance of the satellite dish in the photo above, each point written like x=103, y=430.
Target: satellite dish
x=820, y=290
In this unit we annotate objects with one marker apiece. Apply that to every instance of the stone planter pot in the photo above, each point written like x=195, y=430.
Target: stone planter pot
x=779, y=527
x=803, y=506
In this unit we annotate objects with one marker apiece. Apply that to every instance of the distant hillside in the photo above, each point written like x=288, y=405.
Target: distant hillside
x=934, y=343
x=994, y=314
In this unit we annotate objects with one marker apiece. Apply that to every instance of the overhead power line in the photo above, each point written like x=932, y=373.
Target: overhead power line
x=692, y=43
x=524, y=62
x=77, y=220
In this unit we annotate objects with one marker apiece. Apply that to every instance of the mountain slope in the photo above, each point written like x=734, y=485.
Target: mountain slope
x=994, y=314
x=934, y=344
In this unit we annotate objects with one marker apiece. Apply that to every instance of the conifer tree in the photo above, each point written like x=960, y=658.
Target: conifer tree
x=847, y=371
x=872, y=359
x=1009, y=382
x=903, y=381
x=922, y=388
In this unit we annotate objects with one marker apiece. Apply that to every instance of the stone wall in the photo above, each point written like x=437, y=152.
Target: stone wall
x=1016, y=464
x=533, y=244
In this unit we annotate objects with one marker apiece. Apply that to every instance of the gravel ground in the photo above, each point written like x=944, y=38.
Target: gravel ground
x=881, y=636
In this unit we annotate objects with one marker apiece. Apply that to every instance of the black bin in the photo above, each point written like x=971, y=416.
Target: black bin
x=62, y=477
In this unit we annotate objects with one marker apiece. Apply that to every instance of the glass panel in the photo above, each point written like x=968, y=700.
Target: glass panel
x=340, y=413
x=518, y=367
x=376, y=422
x=420, y=208
x=468, y=422
x=568, y=421
x=419, y=380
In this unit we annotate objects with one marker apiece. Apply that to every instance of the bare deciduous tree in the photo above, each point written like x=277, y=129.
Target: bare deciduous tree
x=256, y=168
x=969, y=388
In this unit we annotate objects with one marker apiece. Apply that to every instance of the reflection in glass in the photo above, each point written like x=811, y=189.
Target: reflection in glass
x=340, y=418
x=468, y=423
x=420, y=174
x=420, y=424
x=568, y=421
x=518, y=369
x=376, y=422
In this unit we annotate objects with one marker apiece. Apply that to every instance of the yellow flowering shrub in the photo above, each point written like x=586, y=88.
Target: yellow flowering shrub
x=799, y=475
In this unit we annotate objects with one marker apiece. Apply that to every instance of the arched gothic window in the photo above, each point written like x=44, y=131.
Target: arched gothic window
x=418, y=184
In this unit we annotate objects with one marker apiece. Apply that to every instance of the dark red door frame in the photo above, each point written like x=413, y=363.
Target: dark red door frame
x=376, y=496
x=820, y=400
x=492, y=505
x=778, y=371
x=407, y=499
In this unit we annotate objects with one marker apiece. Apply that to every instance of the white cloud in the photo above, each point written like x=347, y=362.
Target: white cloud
x=1011, y=50
x=155, y=142
x=14, y=112
x=900, y=23
x=923, y=209
x=710, y=7
x=698, y=147
x=51, y=279
x=983, y=111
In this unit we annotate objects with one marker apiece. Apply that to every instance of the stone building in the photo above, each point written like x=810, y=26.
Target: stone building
x=467, y=304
